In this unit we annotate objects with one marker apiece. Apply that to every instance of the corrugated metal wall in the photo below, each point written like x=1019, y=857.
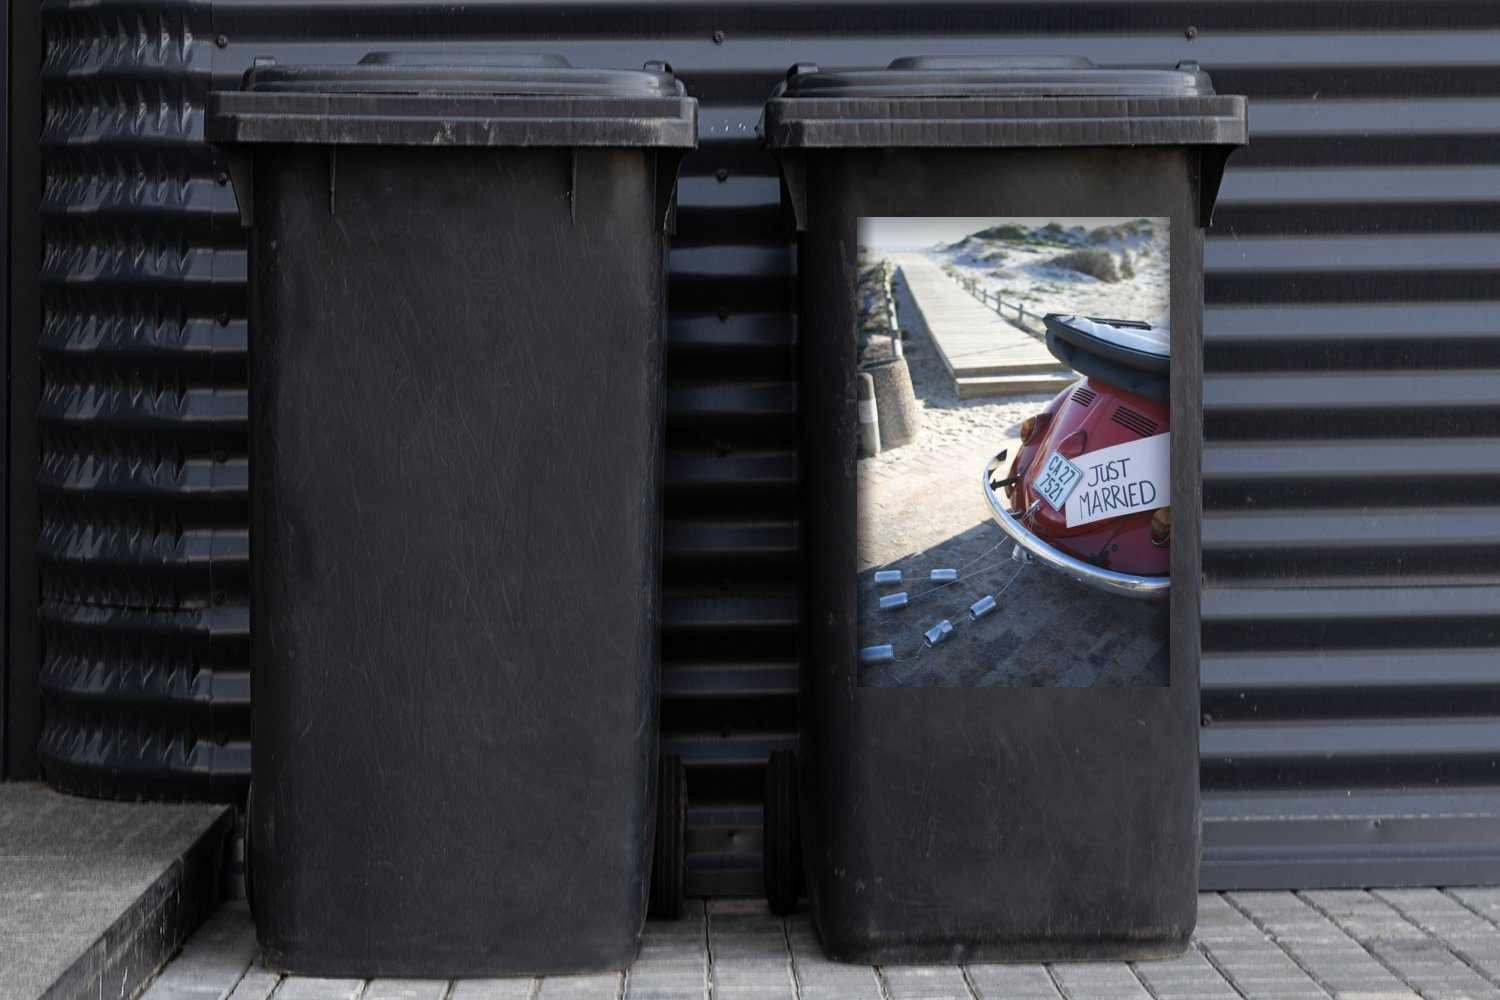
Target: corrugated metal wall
x=1352, y=502
x=143, y=483
x=1350, y=678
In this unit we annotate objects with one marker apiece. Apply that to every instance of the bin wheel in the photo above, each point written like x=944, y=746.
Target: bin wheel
x=669, y=863
x=249, y=879
x=785, y=879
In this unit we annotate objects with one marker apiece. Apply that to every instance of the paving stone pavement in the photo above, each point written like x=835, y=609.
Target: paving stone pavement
x=1385, y=944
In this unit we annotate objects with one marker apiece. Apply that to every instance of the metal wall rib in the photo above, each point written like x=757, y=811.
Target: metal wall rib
x=1352, y=498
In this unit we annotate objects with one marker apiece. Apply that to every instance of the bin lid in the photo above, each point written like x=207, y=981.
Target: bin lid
x=998, y=102
x=455, y=98
x=980, y=76
x=1006, y=102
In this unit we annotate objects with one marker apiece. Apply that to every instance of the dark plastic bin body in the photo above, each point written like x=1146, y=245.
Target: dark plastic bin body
x=959, y=824
x=455, y=388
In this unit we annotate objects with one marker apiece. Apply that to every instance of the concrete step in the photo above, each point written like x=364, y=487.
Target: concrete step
x=95, y=896
x=1021, y=384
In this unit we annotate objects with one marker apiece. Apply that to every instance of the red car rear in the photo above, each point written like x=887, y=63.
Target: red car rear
x=1121, y=400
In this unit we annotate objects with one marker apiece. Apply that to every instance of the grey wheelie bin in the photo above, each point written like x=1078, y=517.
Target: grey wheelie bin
x=457, y=307
x=963, y=789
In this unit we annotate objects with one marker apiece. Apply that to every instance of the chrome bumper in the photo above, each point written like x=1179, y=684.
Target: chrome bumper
x=1030, y=546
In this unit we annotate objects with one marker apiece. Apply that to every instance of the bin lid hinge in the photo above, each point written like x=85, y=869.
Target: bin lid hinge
x=794, y=186
x=240, y=166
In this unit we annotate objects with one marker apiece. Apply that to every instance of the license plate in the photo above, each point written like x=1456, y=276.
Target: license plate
x=1058, y=479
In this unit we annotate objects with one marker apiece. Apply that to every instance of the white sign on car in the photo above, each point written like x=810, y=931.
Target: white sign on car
x=1119, y=480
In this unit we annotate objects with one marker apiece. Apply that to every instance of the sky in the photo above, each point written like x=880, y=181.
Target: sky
x=914, y=232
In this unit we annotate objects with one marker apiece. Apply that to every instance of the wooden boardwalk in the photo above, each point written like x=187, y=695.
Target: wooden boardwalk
x=985, y=354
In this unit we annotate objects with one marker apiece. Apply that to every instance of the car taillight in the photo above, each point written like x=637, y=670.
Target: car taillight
x=1032, y=427
x=1161, y=526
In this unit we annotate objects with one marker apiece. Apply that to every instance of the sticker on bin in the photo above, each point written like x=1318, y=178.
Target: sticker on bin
x=950, y=613
x=1121, y=480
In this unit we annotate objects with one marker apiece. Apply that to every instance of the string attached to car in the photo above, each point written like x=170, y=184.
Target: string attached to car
x=940, y=631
